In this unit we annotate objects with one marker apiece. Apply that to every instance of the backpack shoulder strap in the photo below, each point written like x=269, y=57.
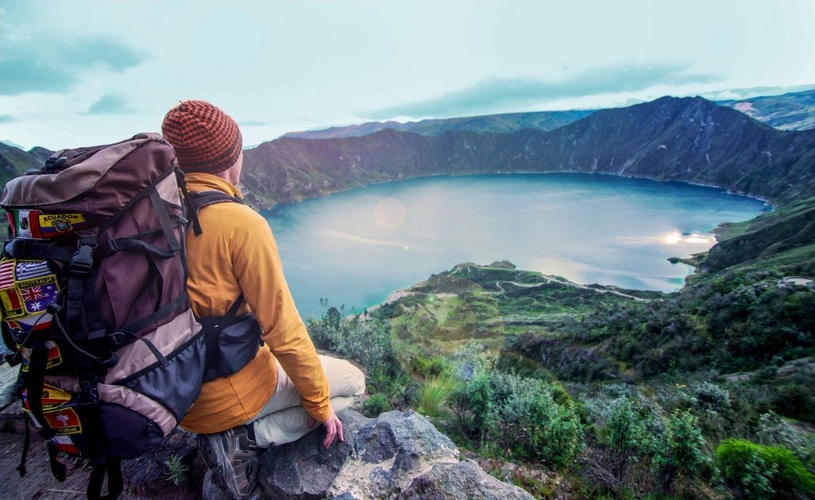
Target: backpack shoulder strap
x=194, y=200
x=201, y=199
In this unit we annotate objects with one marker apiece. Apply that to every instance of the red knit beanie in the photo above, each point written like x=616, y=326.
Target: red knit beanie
x=205, y=138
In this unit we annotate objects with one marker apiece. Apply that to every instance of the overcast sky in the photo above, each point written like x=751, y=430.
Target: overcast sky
x=83, y=72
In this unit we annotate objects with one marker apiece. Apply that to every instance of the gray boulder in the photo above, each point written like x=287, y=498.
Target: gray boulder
x=398, y=455
x=460, y=481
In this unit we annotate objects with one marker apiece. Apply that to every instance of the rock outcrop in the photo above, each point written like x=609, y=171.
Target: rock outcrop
x=398, y=455
x=395, y=456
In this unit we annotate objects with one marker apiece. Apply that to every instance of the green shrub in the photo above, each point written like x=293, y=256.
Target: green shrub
x=796, y=401
x=473, y=405
x=688, y=445
x=681, y=459
x=776, y=431
x=763, y=471
x=177, y=471
x=376, y=404
x=432, y=367
x=471, y=361
x=517, y=418
x=625, y=430
x=709, y=396
x=792, y=475
x=369, y=342
x=434, y=394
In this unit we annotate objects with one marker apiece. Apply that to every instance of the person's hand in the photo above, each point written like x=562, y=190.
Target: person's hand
x=333, y=428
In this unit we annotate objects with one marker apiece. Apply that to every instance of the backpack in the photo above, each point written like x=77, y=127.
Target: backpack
x=94, y=308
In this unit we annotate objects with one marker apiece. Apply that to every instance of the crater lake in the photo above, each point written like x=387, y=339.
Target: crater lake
x=356, y=247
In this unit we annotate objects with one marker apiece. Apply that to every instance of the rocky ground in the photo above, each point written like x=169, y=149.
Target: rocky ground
x=40, y=484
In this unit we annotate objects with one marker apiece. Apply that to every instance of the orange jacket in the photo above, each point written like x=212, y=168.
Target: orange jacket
x=237, y=254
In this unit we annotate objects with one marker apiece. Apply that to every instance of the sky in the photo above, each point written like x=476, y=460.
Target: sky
x=85, y=72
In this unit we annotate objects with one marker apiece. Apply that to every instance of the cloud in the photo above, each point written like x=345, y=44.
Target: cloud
x=7, y=119
x=495, y=95
x=53, y=66
x=253, y=123
x=109, y=105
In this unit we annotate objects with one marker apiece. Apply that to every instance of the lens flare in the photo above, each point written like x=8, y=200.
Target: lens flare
x=389, y=213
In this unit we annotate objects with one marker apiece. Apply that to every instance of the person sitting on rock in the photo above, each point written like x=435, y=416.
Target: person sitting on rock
x=287, y=387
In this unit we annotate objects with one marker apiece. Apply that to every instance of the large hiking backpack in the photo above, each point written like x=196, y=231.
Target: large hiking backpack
x=94, y=306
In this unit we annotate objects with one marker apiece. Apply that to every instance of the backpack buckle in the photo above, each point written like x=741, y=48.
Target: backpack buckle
x=88, y=394
x=15, y=247
x=82, y=260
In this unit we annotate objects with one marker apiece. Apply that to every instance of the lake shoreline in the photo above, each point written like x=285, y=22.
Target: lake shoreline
x=359, y=247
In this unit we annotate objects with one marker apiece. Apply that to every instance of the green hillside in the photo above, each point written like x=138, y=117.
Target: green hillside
x=599, y=392
x=14, y=161
x=782, y=238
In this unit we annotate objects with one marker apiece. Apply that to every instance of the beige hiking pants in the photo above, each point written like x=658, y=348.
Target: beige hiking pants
x=283, y=419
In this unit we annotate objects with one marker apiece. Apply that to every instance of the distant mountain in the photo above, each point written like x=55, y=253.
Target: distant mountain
x=14, y=161
x=794, y=111
x=670, y=139
x=40, y=154
x=501, y=123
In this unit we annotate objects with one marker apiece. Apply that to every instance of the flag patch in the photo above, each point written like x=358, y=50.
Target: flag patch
x=65, y=444
x=27, y=223
x=27, y=288
x=52, y=225
x=63, y=421
x=52, y=397
x=54, y=357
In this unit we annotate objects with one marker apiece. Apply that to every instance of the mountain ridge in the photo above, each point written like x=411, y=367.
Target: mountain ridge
x=669, y=139
x=790, y=111
x=502, y=122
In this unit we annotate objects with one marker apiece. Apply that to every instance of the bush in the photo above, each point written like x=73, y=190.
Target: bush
x=517, y=418
x=432, y=367
x=763, y=471
x=796, y=401
x=682, y=460
x=775, y=431
x=743, y=468
x=625, y=430
x=366, y=341
x=711, y=397
x=376, y=404
x=434, y=394
x=471, y=361
x=473, y=405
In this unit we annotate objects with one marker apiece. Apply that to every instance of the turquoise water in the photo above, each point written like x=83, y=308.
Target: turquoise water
x=355, y=248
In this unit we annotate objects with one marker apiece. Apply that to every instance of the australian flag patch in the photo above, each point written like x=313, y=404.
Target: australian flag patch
x=27, y=288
